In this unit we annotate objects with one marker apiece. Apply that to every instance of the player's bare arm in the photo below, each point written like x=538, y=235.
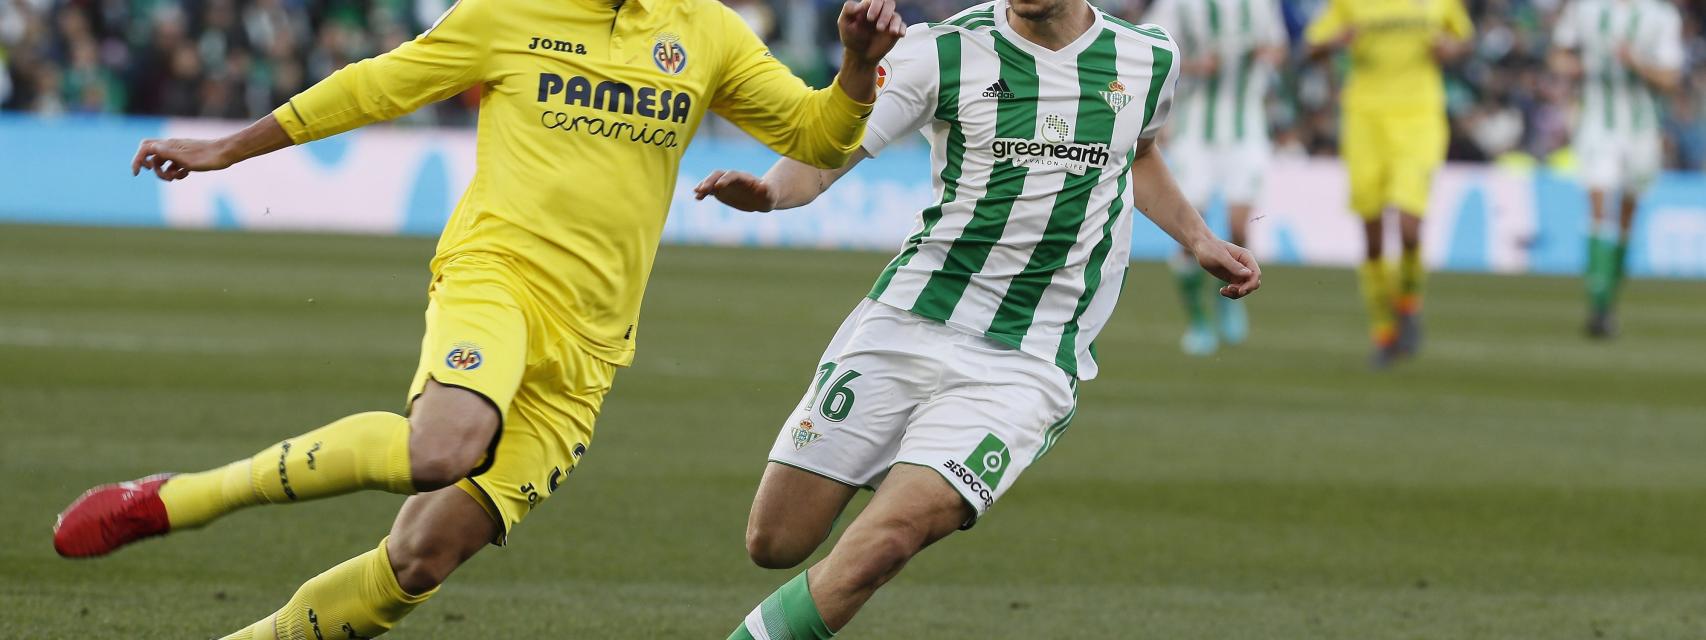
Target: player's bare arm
x=1448, y=49
x=788, y=184
x=1661, y=79
x=175, y=158
x=869, y=29
x=1565, y=64
x=1321, y=50
x=1203, y=65
x=1157, y=195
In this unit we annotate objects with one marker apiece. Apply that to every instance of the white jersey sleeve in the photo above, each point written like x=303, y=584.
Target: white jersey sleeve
x=1567, y=34
x=1271, y=31
x=1164, y=97
x=907, y=85
x=1665, y=34
x=1166, y=14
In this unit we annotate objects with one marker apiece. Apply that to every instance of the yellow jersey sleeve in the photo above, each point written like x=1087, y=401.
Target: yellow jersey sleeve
x=445, y=60
x=760, y=95
x=1457, y=23
x=1330, y=23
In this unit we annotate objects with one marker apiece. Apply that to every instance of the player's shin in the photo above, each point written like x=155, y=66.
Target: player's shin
x=1189, y=279
x=1411, y=277
x=789, y=612
x=1377, y=297
x=359, y=598
x=363, y=451
x=1605, y=256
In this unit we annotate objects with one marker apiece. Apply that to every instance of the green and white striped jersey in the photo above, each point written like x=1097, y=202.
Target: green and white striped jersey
x=1615, y=102
x=1226, y=106
x=1031, y=152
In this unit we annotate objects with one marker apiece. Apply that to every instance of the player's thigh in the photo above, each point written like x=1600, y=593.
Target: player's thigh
x=1362, y=148
x=434, y=533
x=1006, y=411
x=792, y=513
x=547, y=432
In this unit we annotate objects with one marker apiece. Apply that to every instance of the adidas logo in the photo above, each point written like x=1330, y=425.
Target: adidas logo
x=999, y=91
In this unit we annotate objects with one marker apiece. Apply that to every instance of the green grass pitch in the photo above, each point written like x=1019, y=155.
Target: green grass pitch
x=1516, y=482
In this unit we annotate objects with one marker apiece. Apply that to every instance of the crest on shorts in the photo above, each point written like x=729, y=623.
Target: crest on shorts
x=668, y=53
x=1116, y=96
x=803, y=434
x=465, y=356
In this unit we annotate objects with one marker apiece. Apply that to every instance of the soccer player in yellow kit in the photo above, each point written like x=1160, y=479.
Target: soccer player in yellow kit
x=1393, y=136
x=587, y=108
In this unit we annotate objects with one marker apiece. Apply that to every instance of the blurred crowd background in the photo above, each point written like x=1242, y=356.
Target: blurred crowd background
x=239, y=58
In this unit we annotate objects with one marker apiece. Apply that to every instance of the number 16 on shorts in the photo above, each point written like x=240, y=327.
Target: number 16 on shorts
x=835, y=401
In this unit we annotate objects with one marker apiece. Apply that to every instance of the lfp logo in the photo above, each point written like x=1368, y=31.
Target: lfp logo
x=465, y=356
x=668, y=53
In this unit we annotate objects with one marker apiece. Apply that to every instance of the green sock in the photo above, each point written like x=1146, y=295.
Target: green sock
x=1602, y=272
x=788, y=614
x=1189, y=278
x=1619, y=260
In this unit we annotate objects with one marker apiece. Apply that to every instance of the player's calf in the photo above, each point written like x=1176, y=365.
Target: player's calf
x=914, y=508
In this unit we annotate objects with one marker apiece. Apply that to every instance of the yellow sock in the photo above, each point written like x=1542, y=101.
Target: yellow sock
x=1411, y=275
x=357, y=599
x=1377, y=297
x=363, y=451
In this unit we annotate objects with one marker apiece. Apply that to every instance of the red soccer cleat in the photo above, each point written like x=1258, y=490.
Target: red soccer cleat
x=110, y=516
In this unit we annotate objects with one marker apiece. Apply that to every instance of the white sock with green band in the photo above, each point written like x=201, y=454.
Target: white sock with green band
x=788, y=614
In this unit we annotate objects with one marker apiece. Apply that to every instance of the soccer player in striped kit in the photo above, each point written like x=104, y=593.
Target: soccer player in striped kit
x=1219, y=136
x=961, y=367
x=1627, y=54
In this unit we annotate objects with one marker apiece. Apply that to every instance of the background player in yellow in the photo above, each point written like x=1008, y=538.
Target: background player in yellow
x=1393, y=135
x=586, y=109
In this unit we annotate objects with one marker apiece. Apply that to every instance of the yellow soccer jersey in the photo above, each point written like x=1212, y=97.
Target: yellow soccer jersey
x=586, y=109
x=1392, y=63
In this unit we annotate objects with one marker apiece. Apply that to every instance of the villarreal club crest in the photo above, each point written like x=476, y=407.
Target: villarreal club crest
x=465, y=356
x=668, y=53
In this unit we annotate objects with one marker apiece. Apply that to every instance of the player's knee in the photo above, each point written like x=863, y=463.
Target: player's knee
x=771, y=548
x=449, y=434
x=419, y=564
x=436, y=463
x=432, y=471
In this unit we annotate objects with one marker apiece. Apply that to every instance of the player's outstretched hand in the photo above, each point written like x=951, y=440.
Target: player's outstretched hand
x=869, y=29
x=1233, y=265
x=737, y=189
x=176, y=158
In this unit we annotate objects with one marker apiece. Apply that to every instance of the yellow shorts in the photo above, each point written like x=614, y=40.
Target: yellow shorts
x=1391, y=158
x=485, y=333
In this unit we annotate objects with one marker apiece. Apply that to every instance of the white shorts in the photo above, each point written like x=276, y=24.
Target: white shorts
x=1232, y=170
x=1624, y=163
x=895, y=388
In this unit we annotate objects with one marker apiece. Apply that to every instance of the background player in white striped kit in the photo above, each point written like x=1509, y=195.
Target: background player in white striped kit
x=1626, y=54
x=961, y=367
x=1218, y=139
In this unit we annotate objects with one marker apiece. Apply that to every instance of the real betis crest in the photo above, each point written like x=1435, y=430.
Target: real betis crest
x=803, y=434
x=1116, y=96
